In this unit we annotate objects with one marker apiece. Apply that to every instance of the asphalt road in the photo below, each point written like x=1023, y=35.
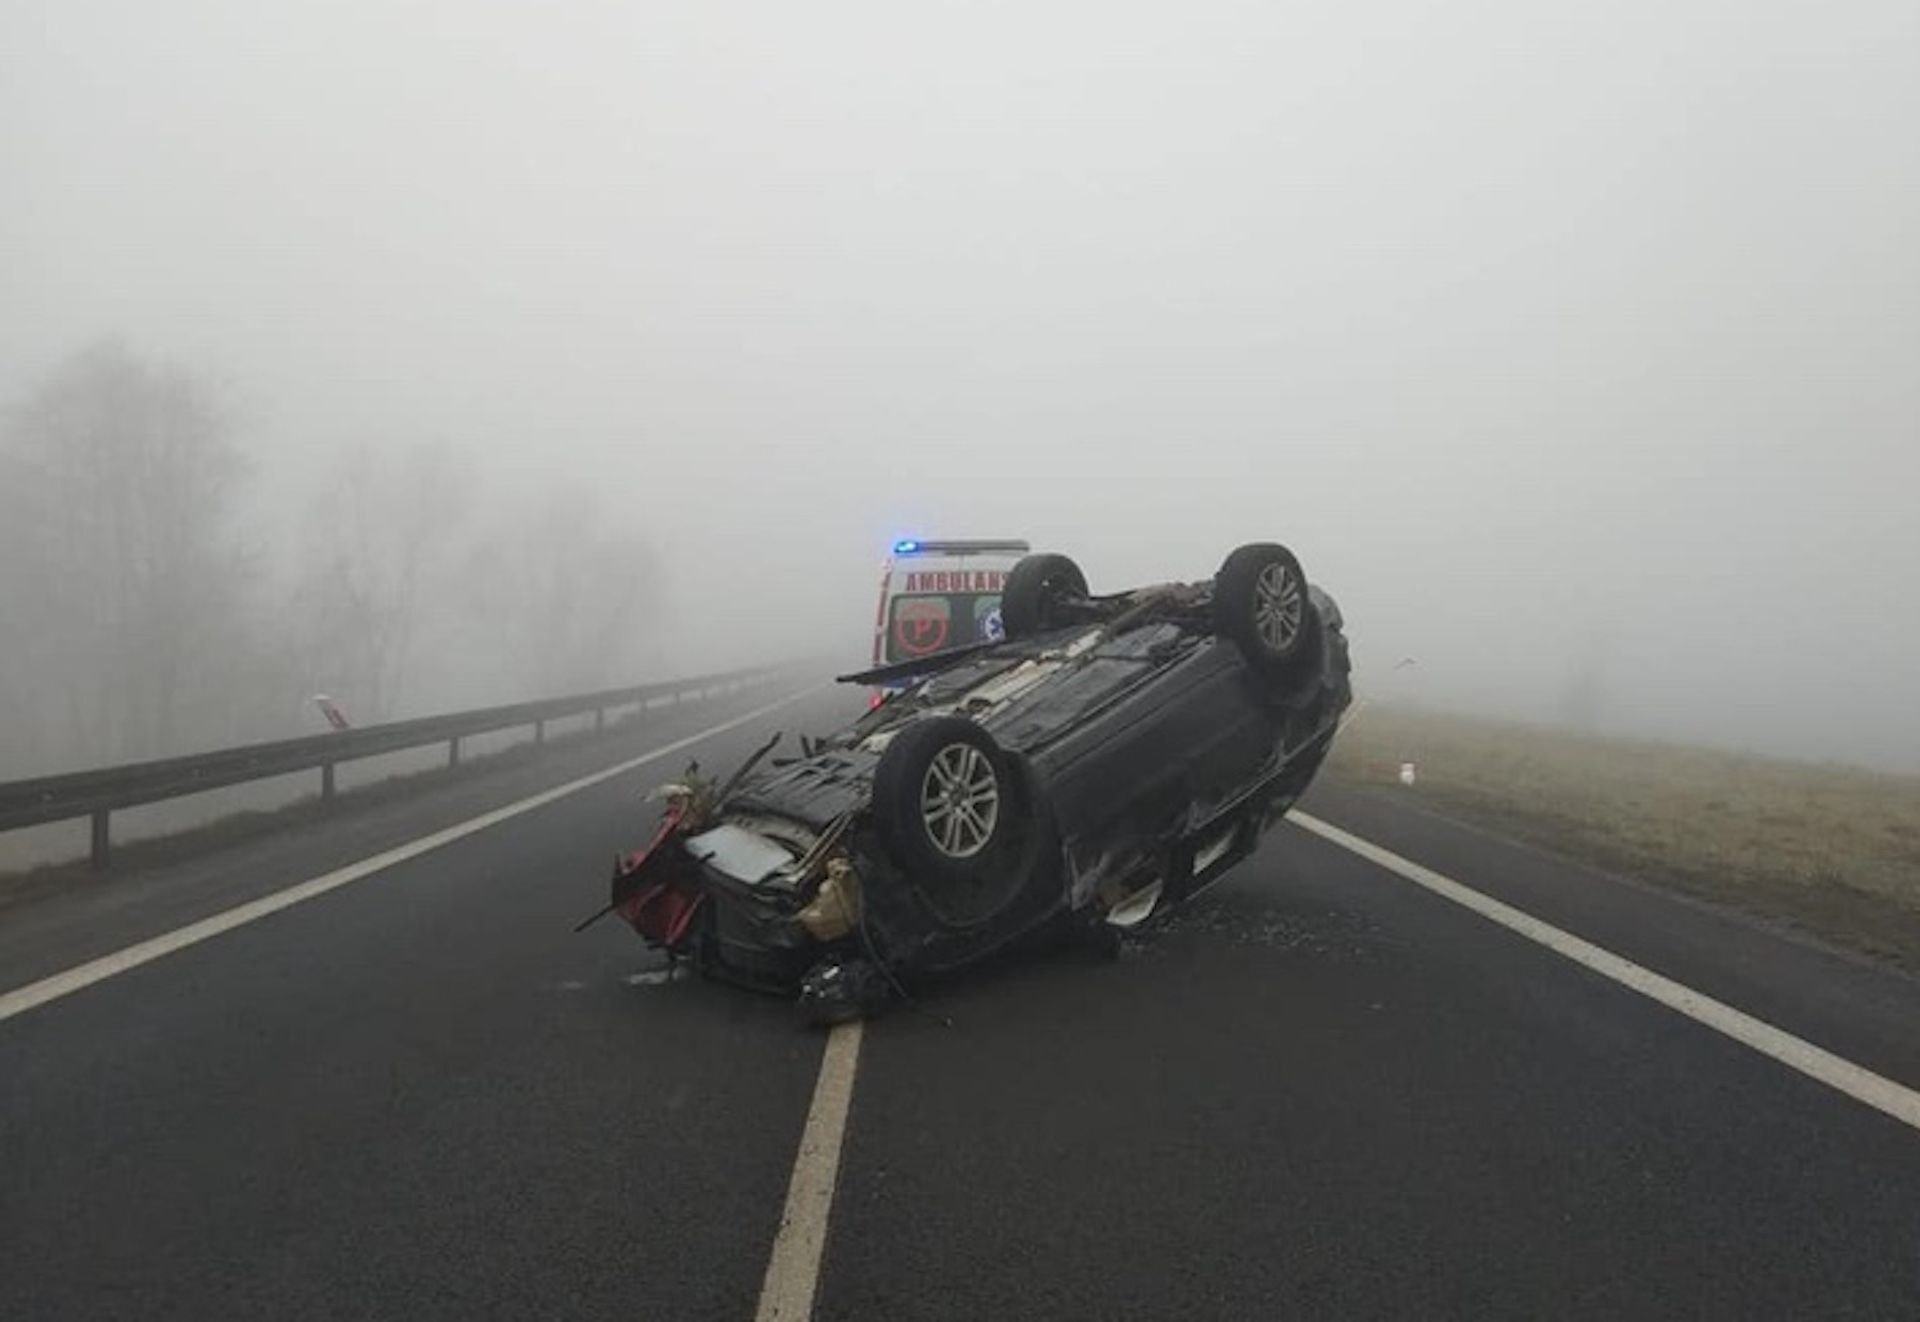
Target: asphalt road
x=1320, y=1092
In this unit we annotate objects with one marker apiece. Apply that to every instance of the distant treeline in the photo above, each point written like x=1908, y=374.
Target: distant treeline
x=139, y=616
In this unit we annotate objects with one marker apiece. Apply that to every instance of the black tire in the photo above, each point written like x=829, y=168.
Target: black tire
x=1262, y=603
x=948, y=808
x=1037, y=587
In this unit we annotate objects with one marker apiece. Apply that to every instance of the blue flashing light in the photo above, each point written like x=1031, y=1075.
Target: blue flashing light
x=907, y=547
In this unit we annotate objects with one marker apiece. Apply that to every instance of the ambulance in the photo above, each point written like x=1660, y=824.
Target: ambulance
x=936, y=596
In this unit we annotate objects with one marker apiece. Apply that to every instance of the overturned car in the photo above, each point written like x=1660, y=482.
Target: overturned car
x=1106, y=760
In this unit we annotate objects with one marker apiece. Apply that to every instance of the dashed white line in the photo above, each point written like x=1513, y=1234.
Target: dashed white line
x=793, y=1272
x=1838, y=1073
x=52, y=988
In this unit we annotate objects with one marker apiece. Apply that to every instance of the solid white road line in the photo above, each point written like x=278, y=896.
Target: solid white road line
x=793, y=1272
x=22, y=999
x=1877, y=1091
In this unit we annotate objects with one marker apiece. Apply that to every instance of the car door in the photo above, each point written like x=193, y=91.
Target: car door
x=1136, y=774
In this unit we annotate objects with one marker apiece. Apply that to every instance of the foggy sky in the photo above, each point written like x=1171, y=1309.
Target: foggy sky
x=1542, y=333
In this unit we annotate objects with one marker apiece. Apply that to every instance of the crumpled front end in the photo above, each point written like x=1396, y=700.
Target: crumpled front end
x=759, y=884
x=749, y=898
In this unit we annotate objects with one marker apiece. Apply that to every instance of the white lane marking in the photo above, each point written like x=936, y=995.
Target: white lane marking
x=1838, y=1073
x=52, y=988
x=793, y=1272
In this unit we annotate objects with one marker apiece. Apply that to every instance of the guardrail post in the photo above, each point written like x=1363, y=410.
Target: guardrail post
x=101, y=849
x=453, y=751
x=326, y=781
x=539, y=732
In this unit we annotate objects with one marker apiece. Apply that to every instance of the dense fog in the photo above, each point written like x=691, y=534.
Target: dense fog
x=433, y=355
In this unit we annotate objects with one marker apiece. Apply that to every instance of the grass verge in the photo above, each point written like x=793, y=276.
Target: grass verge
x=1830, y=850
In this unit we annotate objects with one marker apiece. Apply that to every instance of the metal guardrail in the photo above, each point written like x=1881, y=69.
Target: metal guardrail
x=98, y=793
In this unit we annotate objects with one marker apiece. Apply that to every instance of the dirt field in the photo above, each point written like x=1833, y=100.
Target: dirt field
x=1829, y=849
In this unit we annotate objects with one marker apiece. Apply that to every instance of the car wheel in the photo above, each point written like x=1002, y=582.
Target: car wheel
x=949, y=811
x=1037, y=590
x=1261, y=602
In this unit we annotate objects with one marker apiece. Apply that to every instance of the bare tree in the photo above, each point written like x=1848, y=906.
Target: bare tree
x=384, y=536
x=571, y=588
x=127, y=581
x=27, y=725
